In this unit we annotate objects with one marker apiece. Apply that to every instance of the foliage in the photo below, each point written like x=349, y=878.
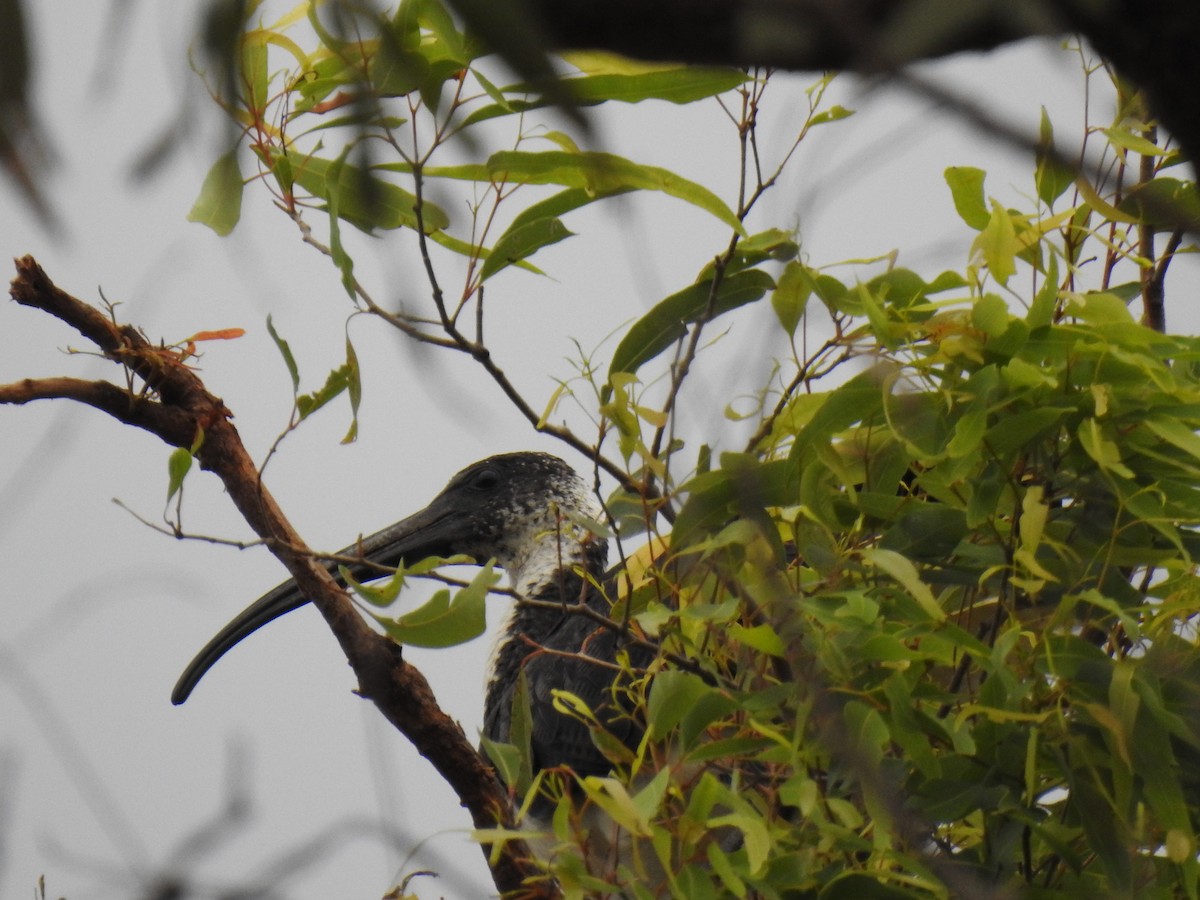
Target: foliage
x=931, y=630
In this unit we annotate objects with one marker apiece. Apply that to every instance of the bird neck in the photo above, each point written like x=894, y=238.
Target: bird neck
x=560, y=573
x=542, y=562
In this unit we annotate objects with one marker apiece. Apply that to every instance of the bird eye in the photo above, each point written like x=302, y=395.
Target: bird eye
x=485, y=480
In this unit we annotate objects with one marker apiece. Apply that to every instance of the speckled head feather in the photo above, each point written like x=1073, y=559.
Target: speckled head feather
x=524, y=510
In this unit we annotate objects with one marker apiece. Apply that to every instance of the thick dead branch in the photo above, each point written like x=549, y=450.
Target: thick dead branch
x=867, y=36
x=1148, y=42
x=175, y=406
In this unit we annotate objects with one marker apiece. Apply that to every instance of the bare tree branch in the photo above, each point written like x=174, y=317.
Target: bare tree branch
x=175, y=407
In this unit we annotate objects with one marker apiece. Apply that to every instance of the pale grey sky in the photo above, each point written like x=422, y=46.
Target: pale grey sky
x=103, y=784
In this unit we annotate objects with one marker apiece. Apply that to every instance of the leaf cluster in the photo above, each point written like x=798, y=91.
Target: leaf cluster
x=932, y=630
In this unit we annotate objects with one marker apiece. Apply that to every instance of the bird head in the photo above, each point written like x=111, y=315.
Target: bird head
x=525, y=510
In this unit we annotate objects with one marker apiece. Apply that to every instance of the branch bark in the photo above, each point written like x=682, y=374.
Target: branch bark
x=174, y=406
x=1150, y=43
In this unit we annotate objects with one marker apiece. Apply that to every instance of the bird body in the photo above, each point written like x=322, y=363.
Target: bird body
x=529, y=512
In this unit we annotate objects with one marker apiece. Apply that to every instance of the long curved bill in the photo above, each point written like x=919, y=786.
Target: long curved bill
x=434, y=531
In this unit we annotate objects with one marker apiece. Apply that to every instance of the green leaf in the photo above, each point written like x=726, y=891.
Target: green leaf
x=905, y=573
x=254, y=75
x=1107, y=832
x=990, y=315
x=609, y=77
x=336, y=381
x=762, y=638
x=1127, y=140
x=968, y=434
x=1102, y=308
x=602, y=62
x=613, y=797
x=179, y=463
x=685, y=700
x=327, y=73
x=474, y=251
x=675, y=85
x=464, y=172
x=741, y=488
x=605, y=173
x=1013, y=432
x=219, y=205
x=866, y=730
x=1045, y=302
x=559, y=204
x=833, y=114
x=858, y=400
x=1034, y=512
x=773, y=244
x=672, y=694
x=886, y=330
x=521, y=241
x=354, y=389
x=514, y=760
x=445, y=620
x=925, y=531
x=860, y=886
x=997, y=244
x=918, y=419
x=1175, y=432
x=381, y=593
x=520, y=731
x=966, y=187
x=1102, y=448
x=440, y=25
x=394, y=71
x=363, y=200
x=1052, y=177
x=286, y=352
x=492, y=91
x=1165, y=203
x=790, y=297
x=756, y=838
x=342, y=259
x=505, y=758
x=281, y=168
x=358, y=120
x=718, y=862
x=668, y=320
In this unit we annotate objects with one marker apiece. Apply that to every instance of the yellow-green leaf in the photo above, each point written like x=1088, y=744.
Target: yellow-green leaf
x=997, y=244
x=364, y=200
x=179, y=463
x=219, y=205
x=668, y=320
x=1103, y=449
x=605, y=173
x=445, y=620
x=901, y=569
x=966, y=187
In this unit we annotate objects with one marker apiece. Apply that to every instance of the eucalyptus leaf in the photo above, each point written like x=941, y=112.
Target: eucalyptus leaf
x=446, y=619
x=670, y=317
x=521, y=241
x=219, y=205
x=363, y=200
x=966, y=187
x=605, y=173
